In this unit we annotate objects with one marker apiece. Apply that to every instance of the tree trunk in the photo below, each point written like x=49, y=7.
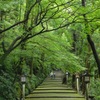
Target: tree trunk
x=74, y=42
x=90, y=40
x=31, y=67
x=94, y=52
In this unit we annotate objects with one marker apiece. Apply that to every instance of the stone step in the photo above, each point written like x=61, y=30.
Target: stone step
x=60, y=87
x=54, y=95
x=53, y=89
x=53, y=81
x=55, y=99
x=43, y=92
x=54, y=85
x=48, y=83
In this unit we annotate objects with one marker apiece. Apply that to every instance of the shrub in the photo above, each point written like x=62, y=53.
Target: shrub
x=94, y=89
x=7, y=89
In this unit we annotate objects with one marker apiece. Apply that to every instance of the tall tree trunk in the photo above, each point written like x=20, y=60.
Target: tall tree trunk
x=74, y=42
x=90, y=41
x=94, y=52
x=74, y=51
x=31, y=66
x=87, y=63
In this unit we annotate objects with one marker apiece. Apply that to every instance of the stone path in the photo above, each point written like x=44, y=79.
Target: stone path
x=53, y=89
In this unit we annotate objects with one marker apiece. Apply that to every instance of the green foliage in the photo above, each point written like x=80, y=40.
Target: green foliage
x=94, y=89
x=55, y=47
x=7, y=88
x=32, y=83
x=47, y=34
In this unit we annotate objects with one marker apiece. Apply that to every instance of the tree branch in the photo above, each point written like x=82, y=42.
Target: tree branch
x=23, y=21
x=3, y=46
x=13, y=43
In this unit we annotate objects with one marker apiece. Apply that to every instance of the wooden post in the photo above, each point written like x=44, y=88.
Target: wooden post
x=87, y=91
x=67, y=76
x=23, y=91
x=77, y=82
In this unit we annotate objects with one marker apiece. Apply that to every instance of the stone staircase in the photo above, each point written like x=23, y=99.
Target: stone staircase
x=53, y=89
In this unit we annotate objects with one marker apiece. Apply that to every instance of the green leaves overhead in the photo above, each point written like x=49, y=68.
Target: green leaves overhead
x=56, y=50
x=43, y=16
x=37, y=36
